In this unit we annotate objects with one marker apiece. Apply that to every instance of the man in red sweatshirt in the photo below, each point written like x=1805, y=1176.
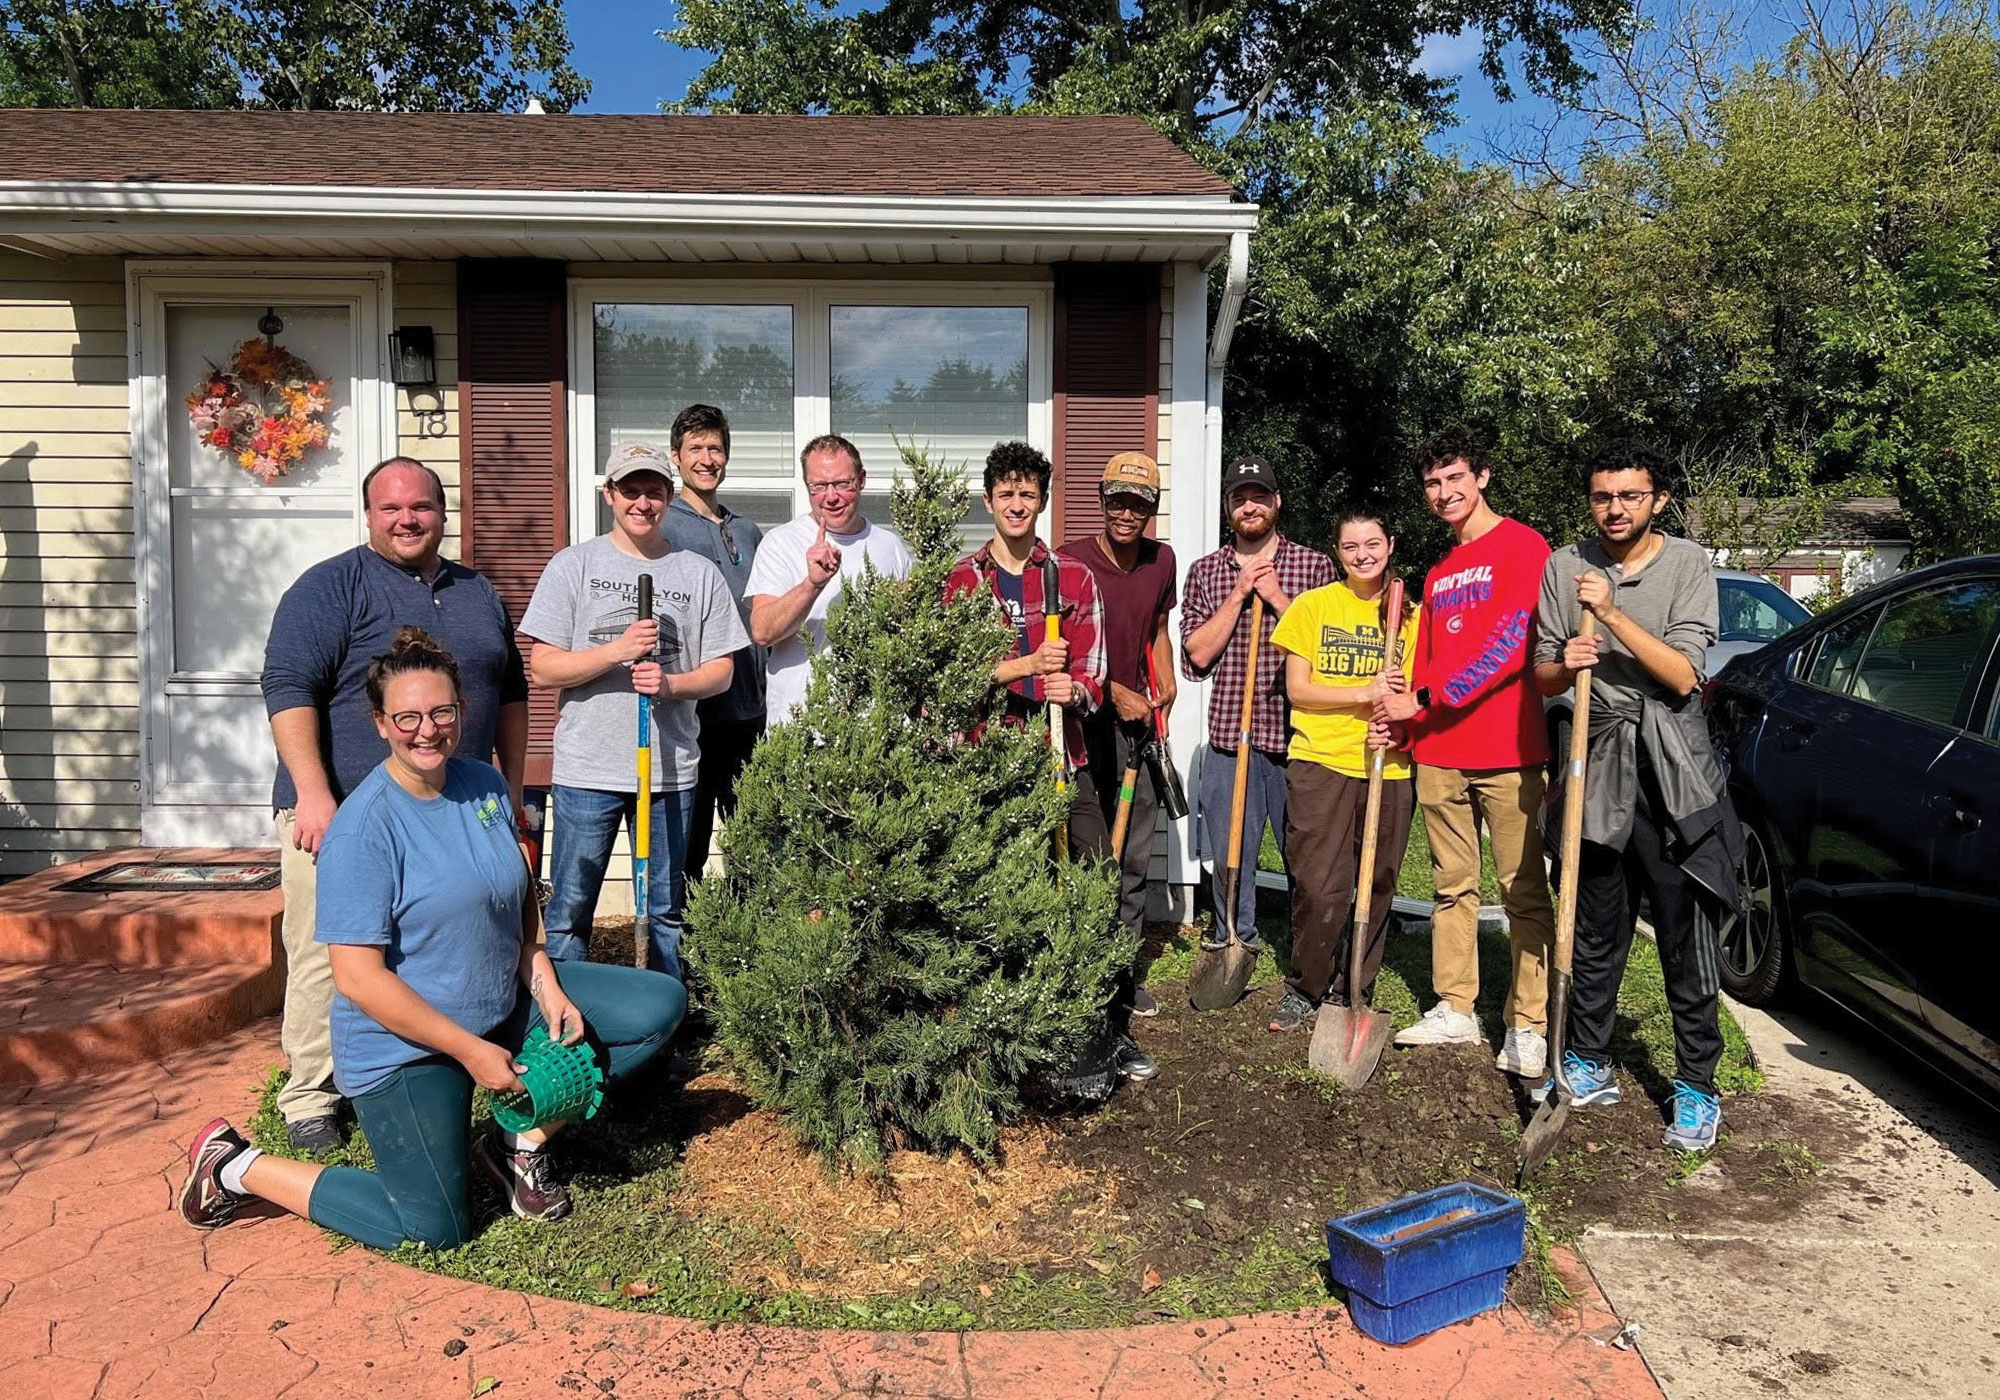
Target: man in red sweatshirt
x=1474, y=717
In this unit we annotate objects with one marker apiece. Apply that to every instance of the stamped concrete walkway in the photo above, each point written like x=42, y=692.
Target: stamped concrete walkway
x=105, y=1294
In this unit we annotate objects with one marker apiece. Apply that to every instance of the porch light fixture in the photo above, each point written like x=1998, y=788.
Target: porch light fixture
x=413, y=356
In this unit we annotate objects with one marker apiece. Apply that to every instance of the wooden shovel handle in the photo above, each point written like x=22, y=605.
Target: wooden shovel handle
x=1241, y=788
x=1572, y=831
x=1371, y=821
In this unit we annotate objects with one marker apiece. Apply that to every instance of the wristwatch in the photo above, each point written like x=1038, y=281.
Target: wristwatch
x=1423, y=695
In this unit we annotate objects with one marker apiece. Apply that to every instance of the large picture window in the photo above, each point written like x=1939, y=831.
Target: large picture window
x=949, y=369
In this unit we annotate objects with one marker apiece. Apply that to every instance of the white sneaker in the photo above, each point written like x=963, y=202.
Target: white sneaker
x=1441, y=1026
x=1524, y=1052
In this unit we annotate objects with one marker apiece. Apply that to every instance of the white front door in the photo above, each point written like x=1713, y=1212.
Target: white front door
x=216, y=547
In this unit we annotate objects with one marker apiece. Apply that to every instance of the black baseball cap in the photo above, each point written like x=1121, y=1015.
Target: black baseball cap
x=1249, y=471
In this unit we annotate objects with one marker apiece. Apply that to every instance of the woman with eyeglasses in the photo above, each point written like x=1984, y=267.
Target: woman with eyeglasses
x=440, y=977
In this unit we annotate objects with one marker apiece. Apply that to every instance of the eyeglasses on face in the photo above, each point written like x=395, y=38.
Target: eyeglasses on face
x=844, y=485
x=1128, y=505
x=1601, y=500
x=410, y=721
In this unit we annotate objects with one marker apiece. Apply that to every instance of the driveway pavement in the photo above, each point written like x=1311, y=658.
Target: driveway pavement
x=1885, y=1286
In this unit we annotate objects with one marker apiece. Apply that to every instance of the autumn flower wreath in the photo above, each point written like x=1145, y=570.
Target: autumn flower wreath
x=265, y=409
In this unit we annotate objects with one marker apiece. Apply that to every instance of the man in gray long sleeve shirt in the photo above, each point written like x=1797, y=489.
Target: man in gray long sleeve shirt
x=1655, y=820
x=338, y=616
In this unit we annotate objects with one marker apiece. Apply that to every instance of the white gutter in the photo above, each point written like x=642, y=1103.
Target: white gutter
x=1234, y=284
x=85, y=207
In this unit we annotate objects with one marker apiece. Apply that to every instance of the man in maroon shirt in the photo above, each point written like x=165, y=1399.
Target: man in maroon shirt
x=1135, y=583
x=1215, y=641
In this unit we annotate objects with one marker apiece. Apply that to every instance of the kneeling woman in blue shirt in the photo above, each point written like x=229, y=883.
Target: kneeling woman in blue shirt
x=439, y=977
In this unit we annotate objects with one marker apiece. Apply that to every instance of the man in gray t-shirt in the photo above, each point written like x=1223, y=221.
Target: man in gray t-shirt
x=591, y=645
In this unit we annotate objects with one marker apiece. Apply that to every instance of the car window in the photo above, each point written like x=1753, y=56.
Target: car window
x=1839, y=655
x=1754, y=610
x=1924, y=658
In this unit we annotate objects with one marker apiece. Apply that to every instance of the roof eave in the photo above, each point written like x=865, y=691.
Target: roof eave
x=28, y=208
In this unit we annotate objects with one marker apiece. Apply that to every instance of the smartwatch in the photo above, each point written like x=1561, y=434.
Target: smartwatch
x=1423, y=697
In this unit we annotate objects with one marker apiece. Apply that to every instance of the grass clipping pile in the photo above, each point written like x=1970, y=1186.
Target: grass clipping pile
x=1201, y=1194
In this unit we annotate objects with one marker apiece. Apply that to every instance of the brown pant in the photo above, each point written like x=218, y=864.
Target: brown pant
x=1508, y=801
x=1325, y=813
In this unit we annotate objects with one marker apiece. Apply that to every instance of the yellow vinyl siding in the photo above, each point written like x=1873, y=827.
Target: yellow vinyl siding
x=427, y=295
x=69, y=692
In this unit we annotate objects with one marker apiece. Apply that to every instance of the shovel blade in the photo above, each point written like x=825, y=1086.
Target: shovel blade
x=1538, y=1139
x=1221, y=976
x=1347, y=1043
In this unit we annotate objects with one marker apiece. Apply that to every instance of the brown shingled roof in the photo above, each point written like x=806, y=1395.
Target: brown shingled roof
x=1053, y=157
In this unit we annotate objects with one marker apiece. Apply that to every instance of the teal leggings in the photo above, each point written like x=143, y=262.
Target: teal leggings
x=416, y=1119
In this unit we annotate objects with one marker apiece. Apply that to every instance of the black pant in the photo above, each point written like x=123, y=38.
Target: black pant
x=725, y=748
x=1609, y=884
x=1090, y=839
x=1112, y=747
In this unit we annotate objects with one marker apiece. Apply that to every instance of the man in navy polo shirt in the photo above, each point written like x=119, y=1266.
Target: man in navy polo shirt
x=340, y=615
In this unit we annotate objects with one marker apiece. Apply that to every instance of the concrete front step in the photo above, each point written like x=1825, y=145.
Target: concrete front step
x=64, y=1021
x=180, y=928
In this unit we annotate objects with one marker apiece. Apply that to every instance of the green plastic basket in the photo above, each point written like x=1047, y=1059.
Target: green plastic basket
x=563, y=1083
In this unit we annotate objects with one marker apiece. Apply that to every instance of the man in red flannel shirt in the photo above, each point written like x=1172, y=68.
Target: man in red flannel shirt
x=1215, y=642
x=1068, y=670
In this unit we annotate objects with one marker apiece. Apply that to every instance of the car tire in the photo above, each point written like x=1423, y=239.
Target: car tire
x=1754, y=945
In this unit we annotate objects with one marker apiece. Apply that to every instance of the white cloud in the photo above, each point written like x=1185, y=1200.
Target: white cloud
x=1446, y=55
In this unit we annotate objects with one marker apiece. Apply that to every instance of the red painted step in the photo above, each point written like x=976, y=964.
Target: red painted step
x=42, y=924
x=64, y=1021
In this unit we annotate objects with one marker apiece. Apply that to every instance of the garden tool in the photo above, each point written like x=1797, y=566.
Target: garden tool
x=1166, y=778
x=1128, y=783
x=1347, y=1041
x=1052, y=621
x=1539, y=1138
x=642, y=821
x=1222, y=970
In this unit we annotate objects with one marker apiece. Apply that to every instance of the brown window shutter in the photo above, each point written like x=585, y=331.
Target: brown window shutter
x=1107, y=380
x=514, y=440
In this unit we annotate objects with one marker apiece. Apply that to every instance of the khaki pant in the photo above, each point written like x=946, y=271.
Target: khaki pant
x=1508, y=801
x=307, y=1037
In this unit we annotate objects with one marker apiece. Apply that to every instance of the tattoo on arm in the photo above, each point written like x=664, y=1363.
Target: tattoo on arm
x=535, y=986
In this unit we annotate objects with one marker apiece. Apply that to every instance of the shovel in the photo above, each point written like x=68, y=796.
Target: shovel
x=642, y=817
x=1539, y=1139
x=1348, y=1041
x=1221, y=974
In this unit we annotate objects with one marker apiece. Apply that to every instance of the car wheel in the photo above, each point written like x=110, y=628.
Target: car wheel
x=1754, y=952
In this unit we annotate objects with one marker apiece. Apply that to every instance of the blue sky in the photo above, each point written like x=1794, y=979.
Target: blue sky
x=633, y=71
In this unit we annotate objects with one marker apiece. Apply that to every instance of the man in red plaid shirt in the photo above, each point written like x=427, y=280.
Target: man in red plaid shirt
x=1068, y=670
x=1215, y=643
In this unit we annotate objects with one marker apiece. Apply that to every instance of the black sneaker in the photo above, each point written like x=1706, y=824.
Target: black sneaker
x=1144, y=1005
x=315, y=1135
x=1293, y=1011
x=525, y=1179
x=204, y=1201
x=1134, y=1063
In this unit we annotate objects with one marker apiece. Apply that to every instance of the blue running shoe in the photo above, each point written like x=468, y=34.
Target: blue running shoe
x=1697, y=1119
x=1590, y=1082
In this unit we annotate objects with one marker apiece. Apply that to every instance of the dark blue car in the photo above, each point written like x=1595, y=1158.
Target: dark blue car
x=1864, y=757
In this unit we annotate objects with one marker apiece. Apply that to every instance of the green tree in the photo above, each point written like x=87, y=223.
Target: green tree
x=895, y=954
x=402, y=55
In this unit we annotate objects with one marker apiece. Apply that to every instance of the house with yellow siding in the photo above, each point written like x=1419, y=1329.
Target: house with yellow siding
x=506, y=297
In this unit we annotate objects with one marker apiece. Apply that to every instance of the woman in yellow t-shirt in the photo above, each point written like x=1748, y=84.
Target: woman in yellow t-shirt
x=1334, y=672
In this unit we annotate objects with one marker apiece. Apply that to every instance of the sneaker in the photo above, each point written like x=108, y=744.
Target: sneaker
x=1293, y=1011
x=1441, y=1026
x=1134, y=1063
x=1697, y=1118
x=204, y=1201
x=320, y=1134
x=1143, y=1004
x=525, y=1179
x=1590, y=1082
x=1524, y=1052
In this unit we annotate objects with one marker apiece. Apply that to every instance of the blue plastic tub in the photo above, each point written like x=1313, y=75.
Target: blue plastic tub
x=1404, y=1279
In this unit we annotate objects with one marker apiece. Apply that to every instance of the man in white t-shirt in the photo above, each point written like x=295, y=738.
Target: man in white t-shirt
x=592, y=646
x=800, y=567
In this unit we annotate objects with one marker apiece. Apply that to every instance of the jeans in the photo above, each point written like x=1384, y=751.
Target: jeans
x=1263, y=800
x=416, y=1119
x=586, y=827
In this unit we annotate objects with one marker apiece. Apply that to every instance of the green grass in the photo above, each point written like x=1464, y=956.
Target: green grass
x=1413, y=879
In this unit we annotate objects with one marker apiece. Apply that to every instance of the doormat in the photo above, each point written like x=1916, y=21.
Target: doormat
x=177, y=877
